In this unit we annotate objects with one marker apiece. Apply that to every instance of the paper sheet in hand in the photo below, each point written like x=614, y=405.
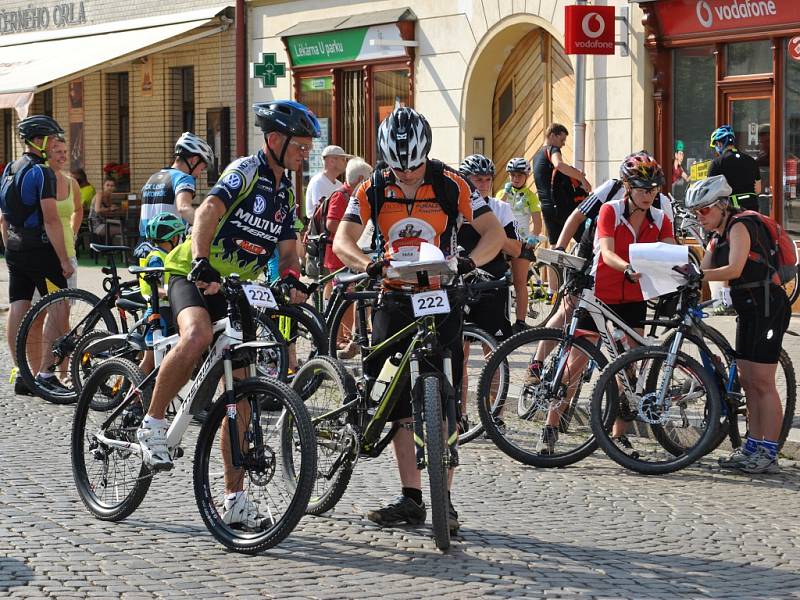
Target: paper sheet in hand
x=655, y=262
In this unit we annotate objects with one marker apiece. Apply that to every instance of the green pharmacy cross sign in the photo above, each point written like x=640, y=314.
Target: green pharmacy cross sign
x=268, y=70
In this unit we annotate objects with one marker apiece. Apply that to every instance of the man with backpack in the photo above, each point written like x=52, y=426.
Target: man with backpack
x=415, y=200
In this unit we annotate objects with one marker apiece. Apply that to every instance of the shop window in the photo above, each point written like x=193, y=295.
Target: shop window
x=506, y=104
x=390, y=89
x=694, y=90
x=117, y=127
x=748, y=58
x=182, y=84
x=791, y=148
x=317, y=94
x=218, y=134
x=352, y=114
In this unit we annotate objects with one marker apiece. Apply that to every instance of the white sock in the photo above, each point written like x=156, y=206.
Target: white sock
x=230, y=499
x=44, y=374
x=153, y=422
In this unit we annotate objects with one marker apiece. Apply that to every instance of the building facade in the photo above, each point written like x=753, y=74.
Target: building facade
x=734, y=62
x=122, y=85
x=489, y=76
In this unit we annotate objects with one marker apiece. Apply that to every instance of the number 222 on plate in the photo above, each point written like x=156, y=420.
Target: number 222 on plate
x=430, y=303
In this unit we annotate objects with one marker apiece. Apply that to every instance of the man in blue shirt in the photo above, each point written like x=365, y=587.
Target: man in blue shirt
x=173, y=189
x=32, y=232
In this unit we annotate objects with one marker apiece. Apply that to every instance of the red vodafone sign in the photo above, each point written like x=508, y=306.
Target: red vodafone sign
x=794, y=48
x=688, y=17
x=589, y=29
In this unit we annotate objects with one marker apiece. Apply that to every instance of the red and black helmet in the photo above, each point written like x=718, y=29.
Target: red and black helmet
x=641, y=170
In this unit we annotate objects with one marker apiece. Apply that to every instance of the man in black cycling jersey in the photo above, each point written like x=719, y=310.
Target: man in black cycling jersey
x=740, y=169
x=248, y=215
x=32, y=233
x=410, y=206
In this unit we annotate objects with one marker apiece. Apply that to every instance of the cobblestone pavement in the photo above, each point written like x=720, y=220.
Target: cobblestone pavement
x=591, y=530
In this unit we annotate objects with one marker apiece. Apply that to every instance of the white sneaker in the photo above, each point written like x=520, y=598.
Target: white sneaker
x=244, y=513
x=153, y=441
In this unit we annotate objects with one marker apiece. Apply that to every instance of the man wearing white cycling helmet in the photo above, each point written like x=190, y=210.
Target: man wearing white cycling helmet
x=172, y=189
x=419, y=196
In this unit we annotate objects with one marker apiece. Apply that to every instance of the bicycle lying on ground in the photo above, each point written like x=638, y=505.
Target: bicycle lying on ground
x=262, y=415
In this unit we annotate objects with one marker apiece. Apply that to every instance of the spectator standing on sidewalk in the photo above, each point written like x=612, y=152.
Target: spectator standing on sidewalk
x=68, y=203
x=324, y=183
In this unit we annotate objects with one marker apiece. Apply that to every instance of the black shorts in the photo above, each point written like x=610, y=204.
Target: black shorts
x=490, y=313
x=759, y=338
x=30, y=270
x=184, y=293
x=632, y=314
x=390, y=318
x=554, y=216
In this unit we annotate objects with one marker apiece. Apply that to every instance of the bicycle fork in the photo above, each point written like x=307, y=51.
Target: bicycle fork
x=231, y=411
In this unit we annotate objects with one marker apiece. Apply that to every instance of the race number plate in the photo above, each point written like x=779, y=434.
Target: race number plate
x=430, y=303
x=259, y=296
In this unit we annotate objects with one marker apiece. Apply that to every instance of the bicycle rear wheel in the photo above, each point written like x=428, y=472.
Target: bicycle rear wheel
x=302, y=333
x=82, y=362
x=631, y=420
x=111, y=481
x=325, y=386
x=542, y=303
x=265, y=408
x=537, y=421
x=478, y=346
x=49, y=333
x=436, y=462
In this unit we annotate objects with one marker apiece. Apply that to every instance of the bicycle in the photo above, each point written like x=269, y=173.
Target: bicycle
x=675, y=424
x=53, y=326
x=111, y=477
x=350, y=424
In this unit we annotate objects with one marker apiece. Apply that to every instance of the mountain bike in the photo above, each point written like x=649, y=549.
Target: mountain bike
x=261, y=414
x=51, y=329
x=350, y=424
x=679, y=408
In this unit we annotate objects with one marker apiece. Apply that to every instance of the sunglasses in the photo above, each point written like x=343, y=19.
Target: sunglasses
x=702, y=212
x=646, y=190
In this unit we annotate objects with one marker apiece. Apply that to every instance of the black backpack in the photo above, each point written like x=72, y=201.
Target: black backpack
x=586, y=245
x=318, y=231
x=378, y=184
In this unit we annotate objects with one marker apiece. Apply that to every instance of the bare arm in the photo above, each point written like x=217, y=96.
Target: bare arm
x=610, y=257
x=758, y=186
x=55, y=233
x=492, y=238
x=345, y=245
x=185, y=209
x=537, y=223
x=77, y=212
x=575, y=220
x=4, y=230
x=332, y=225
x=207, y=218
x=740, y=247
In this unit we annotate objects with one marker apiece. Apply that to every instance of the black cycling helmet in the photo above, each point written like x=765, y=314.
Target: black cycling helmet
x=404, y=139
x=287, y=117
x=476, y=164
x=39, y=126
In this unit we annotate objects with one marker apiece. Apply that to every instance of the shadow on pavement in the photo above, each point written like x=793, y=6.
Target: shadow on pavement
x=13, y=573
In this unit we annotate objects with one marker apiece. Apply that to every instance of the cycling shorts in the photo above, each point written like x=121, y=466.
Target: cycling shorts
x=33, y=270
x=184, y=294
x=490, y=313
x=632, y=314
x=759, y=338
x=554, y=218
x=391, y=317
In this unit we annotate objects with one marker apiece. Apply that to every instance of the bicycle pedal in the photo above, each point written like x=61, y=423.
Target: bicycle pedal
x=178, y=452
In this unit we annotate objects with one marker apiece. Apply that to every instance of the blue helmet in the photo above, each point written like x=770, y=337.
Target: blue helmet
x=722, y=135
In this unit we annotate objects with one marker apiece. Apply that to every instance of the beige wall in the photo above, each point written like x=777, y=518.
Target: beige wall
x=462, y=46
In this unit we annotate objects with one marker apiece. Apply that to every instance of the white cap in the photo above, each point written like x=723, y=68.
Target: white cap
x=335, y=151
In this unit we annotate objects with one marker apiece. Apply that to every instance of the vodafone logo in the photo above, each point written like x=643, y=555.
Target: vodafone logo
x=704, y=14
x=586, y=25
x=733, y=10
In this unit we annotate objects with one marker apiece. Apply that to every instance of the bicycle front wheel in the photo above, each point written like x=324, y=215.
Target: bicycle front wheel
x=82, y=362
x=270, y=506
x=436, y=462
x=111, y=479
x=630, y=418
x=534, y=418
x=48, y=334
x=544, y=293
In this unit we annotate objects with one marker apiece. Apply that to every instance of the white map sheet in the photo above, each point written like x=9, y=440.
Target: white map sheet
x=655, y=261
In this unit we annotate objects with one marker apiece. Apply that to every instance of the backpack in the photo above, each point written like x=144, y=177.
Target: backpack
x=781, y=256
x=564, y=187
x=318, y=231
x=378, y=184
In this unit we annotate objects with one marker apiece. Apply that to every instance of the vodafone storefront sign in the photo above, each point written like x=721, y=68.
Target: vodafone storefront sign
x=682, y=17
x=589, y=29
x=793, y=48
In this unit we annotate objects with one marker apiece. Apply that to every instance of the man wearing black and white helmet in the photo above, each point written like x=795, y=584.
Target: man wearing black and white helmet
x=419, y=195
x=172, y=189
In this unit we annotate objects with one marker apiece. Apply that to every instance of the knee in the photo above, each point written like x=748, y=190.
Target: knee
x=195, y=340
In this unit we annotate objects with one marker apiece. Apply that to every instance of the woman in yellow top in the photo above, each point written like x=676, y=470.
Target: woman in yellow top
x=68, y=203
x=87, y=189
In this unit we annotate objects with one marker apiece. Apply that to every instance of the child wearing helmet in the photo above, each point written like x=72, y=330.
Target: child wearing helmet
x=523, y=200
x=164, y=232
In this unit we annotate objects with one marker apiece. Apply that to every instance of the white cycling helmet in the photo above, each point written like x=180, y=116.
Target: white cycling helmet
x=518, y=164
x=707, y=192
x=191, y=145
x=404, y=139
